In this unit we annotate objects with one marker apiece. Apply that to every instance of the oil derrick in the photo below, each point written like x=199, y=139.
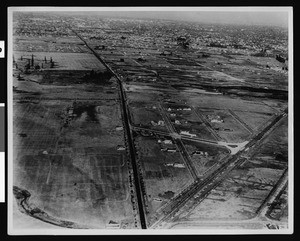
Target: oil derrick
x=280, y=58
x=32, y=60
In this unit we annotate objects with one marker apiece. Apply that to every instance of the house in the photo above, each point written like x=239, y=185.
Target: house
x=198, y=153
x=119, y=128
x=120, y=148
x=188, y=108
x=167, y=142
x=186, y=133
x=215, y=118
x=161, y=123
x=171, y=149
x=179, y=165
x=177, y=122
x=217, y=121
x=113, y=224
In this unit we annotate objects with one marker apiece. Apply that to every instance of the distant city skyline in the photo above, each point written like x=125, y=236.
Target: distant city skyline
x=244, y=18
x=279, y=18
x=267, y=16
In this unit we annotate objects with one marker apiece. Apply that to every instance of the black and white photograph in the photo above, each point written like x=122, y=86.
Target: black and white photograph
x=150, y=120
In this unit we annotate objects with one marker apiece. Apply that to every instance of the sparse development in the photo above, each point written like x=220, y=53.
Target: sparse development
x=125, y=123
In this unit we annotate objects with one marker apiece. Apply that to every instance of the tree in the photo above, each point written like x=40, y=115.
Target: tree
x=45, y=60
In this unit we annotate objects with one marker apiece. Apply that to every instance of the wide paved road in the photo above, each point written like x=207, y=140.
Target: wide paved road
x=137, y=180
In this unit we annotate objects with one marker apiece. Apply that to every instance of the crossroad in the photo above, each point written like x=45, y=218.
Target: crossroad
x=201, y=186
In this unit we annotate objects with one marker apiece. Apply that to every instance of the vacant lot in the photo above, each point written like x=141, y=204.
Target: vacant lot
x=147, y=117
x=239, y=196
x=163, y=172
x=225, y=125
x=204, y=156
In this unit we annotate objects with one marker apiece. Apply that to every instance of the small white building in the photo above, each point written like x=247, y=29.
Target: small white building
x=119, y=128
x=161, y=123
x=171, y=149
x=179, y=165
x=167, y=141
x=120, y=148
x=153, y=123
x=186, y=133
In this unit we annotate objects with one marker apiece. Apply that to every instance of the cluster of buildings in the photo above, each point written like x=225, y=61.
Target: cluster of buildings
x=159, y=123
x=175, y=164
x=215, y=118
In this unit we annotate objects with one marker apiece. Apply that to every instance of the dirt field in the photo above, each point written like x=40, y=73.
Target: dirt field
x=238, y=197
x=142, y=117
x=78, y=171
x=227, y=127
x=163, y=179
x=206, y=158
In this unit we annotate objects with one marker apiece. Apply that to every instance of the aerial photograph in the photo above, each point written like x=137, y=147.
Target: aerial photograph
x=157, y=120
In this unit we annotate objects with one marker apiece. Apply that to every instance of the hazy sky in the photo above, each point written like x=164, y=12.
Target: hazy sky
x=249, y=18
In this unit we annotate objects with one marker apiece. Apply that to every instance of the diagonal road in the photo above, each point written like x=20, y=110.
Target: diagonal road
x=200, y=189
